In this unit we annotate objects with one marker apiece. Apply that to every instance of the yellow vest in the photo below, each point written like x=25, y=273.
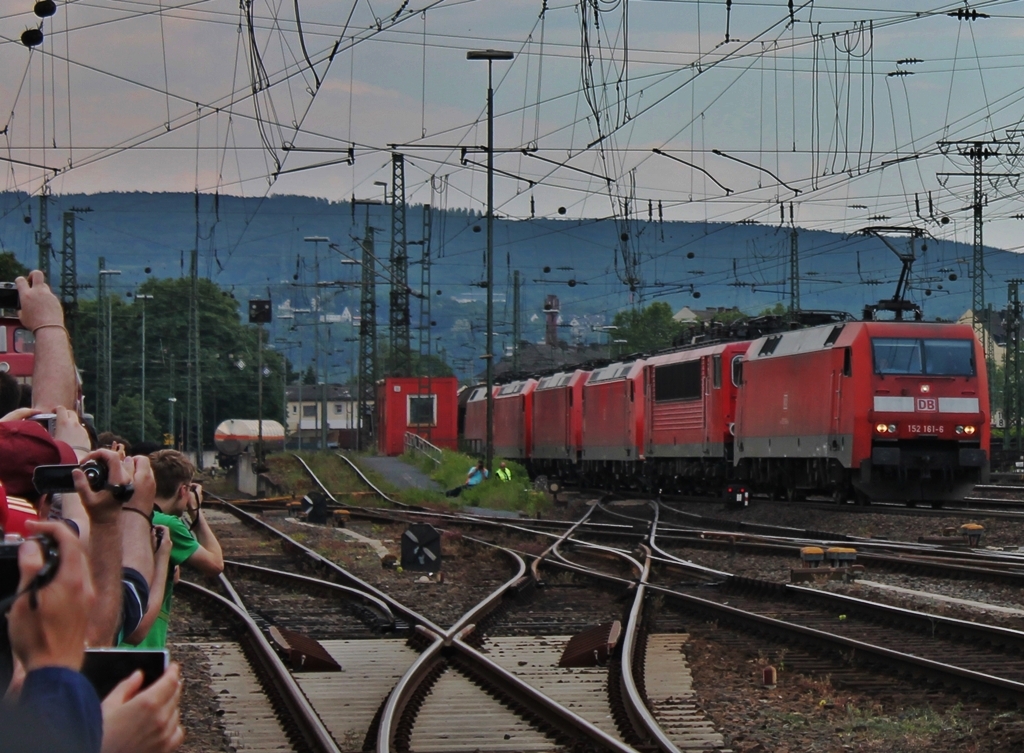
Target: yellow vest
x=504, y=474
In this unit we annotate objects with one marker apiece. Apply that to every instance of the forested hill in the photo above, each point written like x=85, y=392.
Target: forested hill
x=250, y=245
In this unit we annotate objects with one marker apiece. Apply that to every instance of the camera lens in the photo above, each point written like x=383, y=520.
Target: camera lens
x=95, y=474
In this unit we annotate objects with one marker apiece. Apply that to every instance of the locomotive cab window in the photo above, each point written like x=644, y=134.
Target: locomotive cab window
x=716, y=371
x=422, y=410
x=678, y=381
x=907, y=356
x=737, y=371
x=24, y=341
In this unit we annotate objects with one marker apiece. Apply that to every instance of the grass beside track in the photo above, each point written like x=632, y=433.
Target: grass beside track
x=290, y=478
x=517, y=494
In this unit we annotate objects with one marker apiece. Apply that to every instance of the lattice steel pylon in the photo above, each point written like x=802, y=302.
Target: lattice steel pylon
x=426, y=347
x=44, y=239
x=1012, y=407
x=69, y=273
x=367, y=342
x=401, y=353
x=977, y=151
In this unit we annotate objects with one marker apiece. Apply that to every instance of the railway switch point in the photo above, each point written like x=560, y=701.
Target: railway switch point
x=972, y=533
x=304, y=654
x=812, y=556
x=592, y=647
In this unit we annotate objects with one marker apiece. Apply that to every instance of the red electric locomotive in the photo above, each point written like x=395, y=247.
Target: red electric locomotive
x=475, y=429
x=690, y=404
x=17, y=347
x=879, y=410
x=513, y=419
x=558, y=424
x=613, y=423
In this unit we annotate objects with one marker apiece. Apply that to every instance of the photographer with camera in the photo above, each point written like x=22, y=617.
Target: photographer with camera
x=193, y=542
x=47, y=627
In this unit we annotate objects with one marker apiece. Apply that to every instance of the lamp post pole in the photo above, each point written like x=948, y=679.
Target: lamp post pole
x=321, y=419
x=490, y=56
x=170, y=424
x=142, y=427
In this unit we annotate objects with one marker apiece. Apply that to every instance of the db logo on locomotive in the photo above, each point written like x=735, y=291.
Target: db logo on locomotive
x=927, y=404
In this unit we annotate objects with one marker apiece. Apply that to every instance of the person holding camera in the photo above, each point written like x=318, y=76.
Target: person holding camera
x=179, y=507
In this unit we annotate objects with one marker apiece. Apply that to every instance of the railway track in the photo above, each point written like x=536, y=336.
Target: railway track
x=449, y=666
x=510, y=642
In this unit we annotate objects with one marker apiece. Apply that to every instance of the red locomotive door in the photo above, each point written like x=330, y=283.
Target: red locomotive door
x=704, y=400
x=835, y=438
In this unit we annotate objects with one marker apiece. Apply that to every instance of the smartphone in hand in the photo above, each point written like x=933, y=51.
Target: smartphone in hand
x=106, y=667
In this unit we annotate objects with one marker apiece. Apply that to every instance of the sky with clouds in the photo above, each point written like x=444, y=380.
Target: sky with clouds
x=837, y=108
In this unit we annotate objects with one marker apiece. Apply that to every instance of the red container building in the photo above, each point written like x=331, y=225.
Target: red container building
x=558, y=422
x=513, y=419
x=427, y=406
x=880, y=410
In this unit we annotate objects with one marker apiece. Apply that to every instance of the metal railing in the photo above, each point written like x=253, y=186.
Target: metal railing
x=414, y=442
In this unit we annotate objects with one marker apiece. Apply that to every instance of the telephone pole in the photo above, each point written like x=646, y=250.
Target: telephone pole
x=794, y=266
x=104, y=333
x=194, y=349
x=401, y=356
x=516, y=317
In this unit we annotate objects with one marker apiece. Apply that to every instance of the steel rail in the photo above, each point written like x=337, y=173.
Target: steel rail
x=359, y=472
x=395, y=606
x=885, y=656
x=379, y=607
x=550, y=710
x=301, y=712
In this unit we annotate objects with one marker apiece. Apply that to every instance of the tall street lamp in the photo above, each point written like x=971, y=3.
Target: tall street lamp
x=142, y=428
x=170, y=423
x=322, y=412
x=490, y=56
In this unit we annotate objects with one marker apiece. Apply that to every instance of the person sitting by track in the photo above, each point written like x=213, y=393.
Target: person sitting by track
x=503, y=473
x=179, y=499
x=474, y=476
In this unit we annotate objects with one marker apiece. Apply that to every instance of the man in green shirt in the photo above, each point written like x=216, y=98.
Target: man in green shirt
x=179, y=508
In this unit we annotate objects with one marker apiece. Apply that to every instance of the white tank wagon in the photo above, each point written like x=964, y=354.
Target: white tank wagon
x=238, y=435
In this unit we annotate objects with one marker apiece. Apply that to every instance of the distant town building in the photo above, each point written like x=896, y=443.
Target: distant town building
x=304, y=413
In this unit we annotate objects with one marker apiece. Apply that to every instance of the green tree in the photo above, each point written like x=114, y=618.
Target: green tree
x=647, y=329
x=228, y=358
x=126, y=418
x=10, y=267
x=309, y=375
x=777, y=310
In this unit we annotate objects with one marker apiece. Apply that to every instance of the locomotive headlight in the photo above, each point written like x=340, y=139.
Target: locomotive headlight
x=892, y=428
x=926, y=388
x=968, y=430
x=881, y=428
x=959, y=430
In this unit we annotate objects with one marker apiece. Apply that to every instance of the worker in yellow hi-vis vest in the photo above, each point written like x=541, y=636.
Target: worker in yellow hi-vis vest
x=504, y=473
